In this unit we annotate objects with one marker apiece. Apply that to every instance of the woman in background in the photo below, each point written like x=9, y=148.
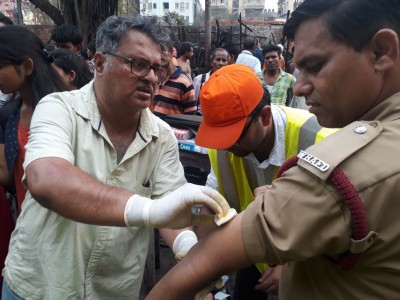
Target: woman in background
x=25, y=72
x=72, y=69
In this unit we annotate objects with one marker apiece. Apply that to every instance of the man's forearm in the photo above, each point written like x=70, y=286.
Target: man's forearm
x=67, y=190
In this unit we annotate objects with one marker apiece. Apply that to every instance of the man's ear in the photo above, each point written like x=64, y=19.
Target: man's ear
x=385, y=45
x=27, y=66
x=265, y=115
x=71, y=75
x=100, y=61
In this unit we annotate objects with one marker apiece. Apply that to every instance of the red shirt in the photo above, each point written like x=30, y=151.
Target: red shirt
x=18, y=172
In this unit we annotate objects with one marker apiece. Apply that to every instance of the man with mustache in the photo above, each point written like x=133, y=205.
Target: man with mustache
x=101, y=169
x=279, y=83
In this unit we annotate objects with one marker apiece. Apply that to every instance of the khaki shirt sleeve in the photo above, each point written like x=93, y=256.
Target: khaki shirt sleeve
x=298, y=218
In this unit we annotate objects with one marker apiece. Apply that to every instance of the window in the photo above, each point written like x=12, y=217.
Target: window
x=187, y=18
x=176, y=5
x=187, y=5
x=154, y=5
x=149, y=6
x=166, y=5
x=182, y=6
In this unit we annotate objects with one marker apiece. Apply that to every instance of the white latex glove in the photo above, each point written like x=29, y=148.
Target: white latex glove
x=175, y=210
x=183, y=243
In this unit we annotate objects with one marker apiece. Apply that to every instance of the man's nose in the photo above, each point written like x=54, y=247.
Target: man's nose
x=302, y=87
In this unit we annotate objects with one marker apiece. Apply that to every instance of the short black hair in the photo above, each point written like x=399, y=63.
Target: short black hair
x=66, y=33
x=352, y=22
x=249, y=42
x=184, y=47
x=232, y=49
x=272, y=48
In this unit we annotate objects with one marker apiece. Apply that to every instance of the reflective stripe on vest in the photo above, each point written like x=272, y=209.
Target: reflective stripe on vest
x=302, y=130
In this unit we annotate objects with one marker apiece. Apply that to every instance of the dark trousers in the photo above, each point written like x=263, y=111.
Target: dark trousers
x=246, y=280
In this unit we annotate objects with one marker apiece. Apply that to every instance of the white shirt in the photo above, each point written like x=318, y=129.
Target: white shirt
x=248, y=59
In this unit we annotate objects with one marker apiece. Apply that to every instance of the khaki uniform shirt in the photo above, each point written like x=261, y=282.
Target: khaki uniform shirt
x=52, y=257
x=303, y=222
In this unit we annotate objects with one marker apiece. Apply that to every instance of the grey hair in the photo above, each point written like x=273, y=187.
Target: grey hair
x=112, y=31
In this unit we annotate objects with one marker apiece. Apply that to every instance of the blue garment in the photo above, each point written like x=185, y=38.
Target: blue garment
x=258, y=53
x=7, y=294
x=9, y=116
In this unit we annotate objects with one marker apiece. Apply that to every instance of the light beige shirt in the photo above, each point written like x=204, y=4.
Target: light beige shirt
x=304, y=222
x=52, y=257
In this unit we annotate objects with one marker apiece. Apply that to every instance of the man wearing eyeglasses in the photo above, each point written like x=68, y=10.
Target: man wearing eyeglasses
x=254, y=139
x=176, y=94
x=101, y=169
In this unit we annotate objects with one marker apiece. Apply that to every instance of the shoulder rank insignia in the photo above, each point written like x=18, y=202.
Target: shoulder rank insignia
x=312, y=160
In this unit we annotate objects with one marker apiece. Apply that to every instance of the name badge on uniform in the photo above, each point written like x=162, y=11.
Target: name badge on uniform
x=314, y=161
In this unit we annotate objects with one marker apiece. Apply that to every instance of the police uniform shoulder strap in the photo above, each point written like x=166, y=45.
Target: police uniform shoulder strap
x=322, y=158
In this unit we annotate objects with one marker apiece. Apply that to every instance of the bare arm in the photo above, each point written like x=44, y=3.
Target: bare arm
x=220, y=253
x=83, y=199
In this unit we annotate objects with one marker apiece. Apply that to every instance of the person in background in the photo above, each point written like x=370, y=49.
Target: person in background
x=237, y=169
x=176, y=93
x=7, y=221
x=332, y=217
x=91, y=50
x=183, y=60
x=4, y=20
x=25, y=76
x=218, y=58
x=96, y=159
x=71, y=68
x=257, y=52
x=233, y=51
x=282, y=63
x=26, y=73
x=279, y=83
x=246, y=57
x=67, y=36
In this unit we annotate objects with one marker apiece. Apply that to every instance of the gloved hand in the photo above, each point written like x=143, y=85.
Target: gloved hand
x=183, y=243
x=175, y=210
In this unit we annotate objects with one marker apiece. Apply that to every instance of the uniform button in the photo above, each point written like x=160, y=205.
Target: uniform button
x=360, y=129
x=374, y=124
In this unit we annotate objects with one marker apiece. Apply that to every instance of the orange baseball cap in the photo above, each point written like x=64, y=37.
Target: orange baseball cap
x=227, y=99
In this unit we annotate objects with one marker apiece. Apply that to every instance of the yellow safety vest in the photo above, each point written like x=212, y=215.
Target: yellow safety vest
x=302, y=130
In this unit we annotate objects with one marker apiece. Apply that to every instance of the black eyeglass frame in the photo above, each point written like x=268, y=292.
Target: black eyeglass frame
x=132, y=59
x=253, y=115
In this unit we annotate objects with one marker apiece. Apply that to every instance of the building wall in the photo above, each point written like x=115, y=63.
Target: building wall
x=190, y=9
x=285, y=5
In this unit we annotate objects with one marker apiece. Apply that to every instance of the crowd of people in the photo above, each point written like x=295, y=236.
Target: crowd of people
x=88, y=166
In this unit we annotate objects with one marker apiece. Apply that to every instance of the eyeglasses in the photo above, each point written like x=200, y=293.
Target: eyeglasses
x=246, y=128
x=141, y=67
